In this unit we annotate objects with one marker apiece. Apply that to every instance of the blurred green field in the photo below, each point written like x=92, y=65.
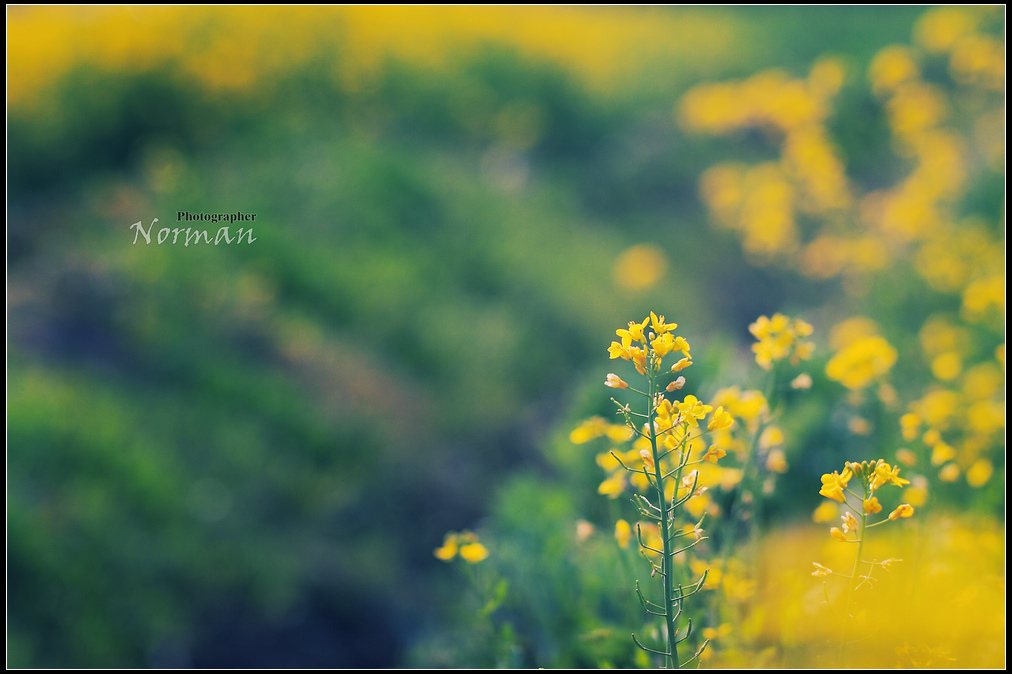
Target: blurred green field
x=244, y=455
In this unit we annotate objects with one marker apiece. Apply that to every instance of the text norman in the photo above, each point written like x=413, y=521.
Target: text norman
x=190, y=235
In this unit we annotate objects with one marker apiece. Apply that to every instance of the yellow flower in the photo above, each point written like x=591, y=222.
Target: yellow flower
x=681, y=365
x=692, y=409
x=905, y=510
x=614, y=381
x=617, y=350
x=886, y=474
x=714, y=453
x=834, y=483
x=720, y=420
x=849, y=522
x=838, y=535
x=659, y=326
x=635, y=331
x=872, y=506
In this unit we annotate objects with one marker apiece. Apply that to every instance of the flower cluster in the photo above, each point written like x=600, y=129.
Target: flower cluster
x=663, y=463
x=464, y=544
x=780, y=338
x=872, y=476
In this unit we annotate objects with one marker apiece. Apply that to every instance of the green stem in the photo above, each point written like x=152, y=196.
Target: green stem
x=853, y=580
x=671, y=655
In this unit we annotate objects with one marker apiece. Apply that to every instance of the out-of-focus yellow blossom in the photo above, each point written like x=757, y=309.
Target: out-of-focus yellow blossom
x=905, y=510
x=591, y=428
x=464, y=544
x=472, y=553
x=931, y=437
x=771, y=436
x=979, y=60
x=979, y=473
x=777, y=461
x=983, y=381
x=623, y=532
x=712, y=633
x=584, y=530
x=909, y=424
x=613, y=486
x=906, y=457
x=744, y=405
x=449, y=548
x=946, y=366
x=986, y=416
x=891, y=67
x=871, y=505
x=859, y=426
x=861, y=362
x=802, y=382
x=826, y=512
x=853, y=329
x=639, y=267
x=614, y=381
x=938, y=29
x=983, y=296
x=941, y=453
x=917, y=493
x=779, y=338
x=949, y=473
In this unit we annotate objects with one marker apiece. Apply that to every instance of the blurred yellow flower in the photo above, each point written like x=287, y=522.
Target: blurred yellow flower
x=639, y=267
x=623, y=532
x=872, y=506
x=979, y=473
x=826, y=512
x=861, y=362
x=472, y=553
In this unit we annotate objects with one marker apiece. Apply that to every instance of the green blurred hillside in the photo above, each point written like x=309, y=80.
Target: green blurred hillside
x=243, y=455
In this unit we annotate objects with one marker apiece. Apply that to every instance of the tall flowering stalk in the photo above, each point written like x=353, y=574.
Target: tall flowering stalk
x=665, y=437
x=856, y=489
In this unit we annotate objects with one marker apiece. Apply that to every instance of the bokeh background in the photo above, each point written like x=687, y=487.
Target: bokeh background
x=244, y=455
